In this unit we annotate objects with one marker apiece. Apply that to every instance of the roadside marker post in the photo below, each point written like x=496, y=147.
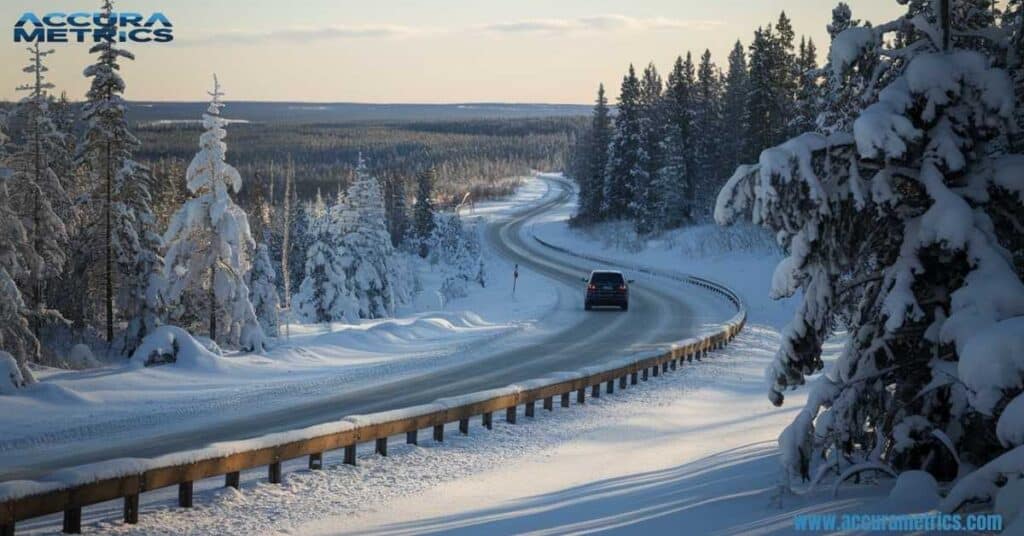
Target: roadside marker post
x=515, y=278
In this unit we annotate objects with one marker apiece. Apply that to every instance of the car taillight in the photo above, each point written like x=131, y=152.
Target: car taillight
x=622, y=288
x=591, y=287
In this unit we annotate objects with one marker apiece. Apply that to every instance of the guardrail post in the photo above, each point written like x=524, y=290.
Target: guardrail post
x=316, y=461
x=274, y=473
x=412, y=438
x=231, y=480
x=350, y=454
x=595, y=390
x=382, y=446
x=609, y=386
x=644, y=375
x=73, y=520
x=549, y=403
x=622, y=382
x=664, y=366
x=488, y=419
x=464, y=426
x=510, y=415
x=530, y=406
x=7, y=529
x=439, y=433
x=565, y=400
x=131, y=509
x=655, y=370
x=633, y=378
x=581, y=396
x=185, y=495
x=673, y=363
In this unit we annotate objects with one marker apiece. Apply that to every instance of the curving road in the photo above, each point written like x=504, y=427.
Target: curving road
x=655, y=319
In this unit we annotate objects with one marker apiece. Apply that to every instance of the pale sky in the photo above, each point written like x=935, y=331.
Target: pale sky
x=405, y=51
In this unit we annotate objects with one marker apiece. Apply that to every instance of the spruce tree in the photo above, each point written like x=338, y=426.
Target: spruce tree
x=676, y=204
x=209, y=245
x=423, y=212
x=595, y=158
x=898, y=232
x=16, y=338
x=645, y=197
x=624, y=158
x=262, y=281
x=736, y=146
x=36, y=188
x=707, y=120
x=123, y=229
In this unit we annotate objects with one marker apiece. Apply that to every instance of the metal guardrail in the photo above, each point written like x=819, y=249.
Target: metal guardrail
x=70, y=496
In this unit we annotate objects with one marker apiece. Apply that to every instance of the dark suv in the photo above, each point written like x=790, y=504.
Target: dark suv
x=606, y=287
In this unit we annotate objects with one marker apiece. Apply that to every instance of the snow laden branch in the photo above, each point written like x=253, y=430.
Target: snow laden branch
x=902, y=229
x=209, y=245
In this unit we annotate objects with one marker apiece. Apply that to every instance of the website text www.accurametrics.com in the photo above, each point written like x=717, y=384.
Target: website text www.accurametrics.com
x=928, y=522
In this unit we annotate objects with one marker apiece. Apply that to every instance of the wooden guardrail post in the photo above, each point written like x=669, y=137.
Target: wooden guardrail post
x=581, y=396
x=565, y=400
x=464, y=426
x=530, y=406
x=488, y=420
x=350, y=454
x=185, y=495
x=382, y=446
x=610, y=386
x=655, y=370
x=316, y=461
x=622, y=382
x=633, y=378
x=673, y=363
x=595, y=390
x=274, y=472
x=131, y=509
x=411, y=437
x=231, y=480
x=644, y=375
x=73, y=520
x=510, y=415
x=549, y=403
x=439, y=433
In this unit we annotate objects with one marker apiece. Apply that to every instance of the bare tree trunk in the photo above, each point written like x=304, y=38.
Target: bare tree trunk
x=289, y=176
x=213, y=305
x=109, y=269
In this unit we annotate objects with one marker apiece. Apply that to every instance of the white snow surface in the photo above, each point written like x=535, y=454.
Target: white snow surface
x=87, y=409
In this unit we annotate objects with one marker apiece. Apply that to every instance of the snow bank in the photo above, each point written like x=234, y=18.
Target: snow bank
x=81, y=357
x=915, y=491
x=173, y=345
x=10, y=375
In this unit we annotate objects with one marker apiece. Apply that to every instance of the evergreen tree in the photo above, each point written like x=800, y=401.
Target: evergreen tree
x=423, y=212
x=397, y=210
x=808, y=91
x=262, y=281
x=594, y=158
x=124, y=225
x=645, y=199
x=849, y=76
x=675, y=179
x=707, y=120
x=36, y=188
x=208, y=243
x=761, y=97
x=15, y=336
x=324, y=295
x=735, y=118
x=898, y=231
x=368, y=247
x=1013, y=25
x=624, y=167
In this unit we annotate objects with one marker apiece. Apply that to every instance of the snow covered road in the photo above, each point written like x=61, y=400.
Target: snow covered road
x=557, y=335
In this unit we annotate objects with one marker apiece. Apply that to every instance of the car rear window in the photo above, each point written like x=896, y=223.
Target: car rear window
x=606, y=278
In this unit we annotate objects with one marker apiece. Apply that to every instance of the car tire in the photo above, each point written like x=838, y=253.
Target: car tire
x=587, y=306
x=625, y=307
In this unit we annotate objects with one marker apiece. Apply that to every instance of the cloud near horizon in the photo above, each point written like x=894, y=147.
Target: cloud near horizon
x=591, y=23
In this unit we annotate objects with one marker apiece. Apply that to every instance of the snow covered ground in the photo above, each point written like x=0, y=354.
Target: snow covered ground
x=91, y=409
x=692, y=451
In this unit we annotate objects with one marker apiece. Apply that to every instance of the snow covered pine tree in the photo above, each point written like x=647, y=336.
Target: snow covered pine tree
x=208, y=243
x=262, y=283
x=124, y=226
x=905, y=231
